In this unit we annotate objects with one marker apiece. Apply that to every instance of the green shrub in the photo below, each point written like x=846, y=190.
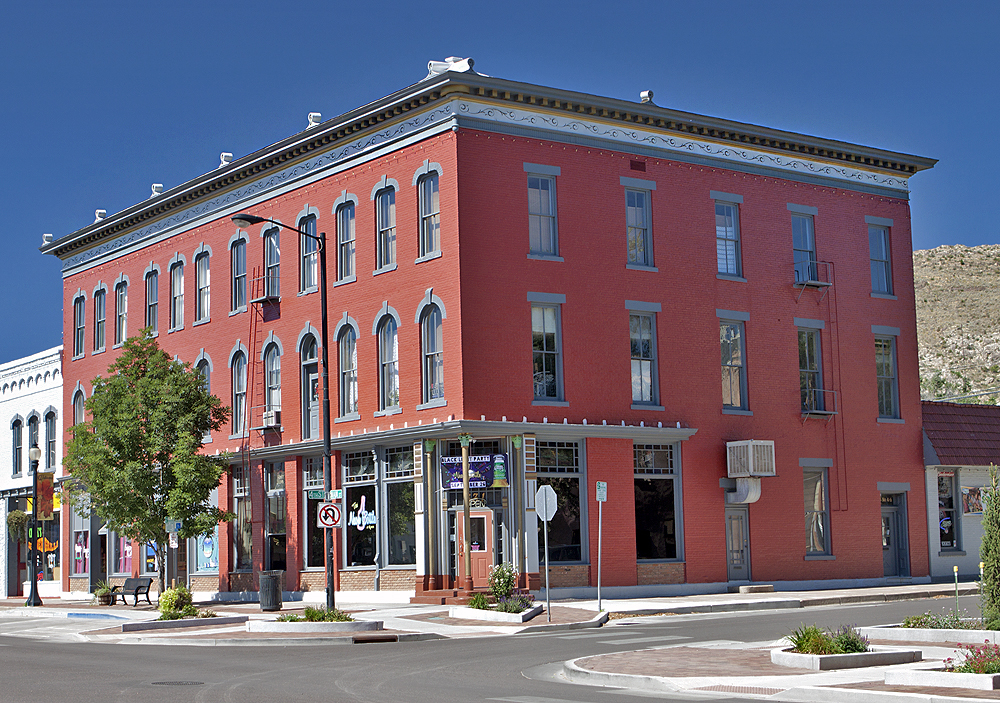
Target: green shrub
x=809, y=639
x=174, y=599
x=479, y=601
x=324, y=615
x=849, y=640
x=948, y=620
x=289, y=617
x=503, y=578
x=515, y=604
x=207, y=613
x=170, y=615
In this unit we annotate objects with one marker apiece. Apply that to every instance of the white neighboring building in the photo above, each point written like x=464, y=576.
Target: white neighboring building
x=30, y=410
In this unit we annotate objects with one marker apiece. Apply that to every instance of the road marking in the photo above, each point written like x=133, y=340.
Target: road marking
x=603, y=633
x=631, y=640
x=533, y=699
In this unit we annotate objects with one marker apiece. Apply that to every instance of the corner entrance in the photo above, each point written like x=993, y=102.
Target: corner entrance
x=895, y=551
x=483, y=552
x=738, y=543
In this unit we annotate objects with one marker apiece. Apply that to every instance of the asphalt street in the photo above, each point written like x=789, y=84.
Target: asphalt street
x=39, y=663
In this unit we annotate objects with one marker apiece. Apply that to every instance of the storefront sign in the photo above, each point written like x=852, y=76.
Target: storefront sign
x=483, y=471
x=361, y=518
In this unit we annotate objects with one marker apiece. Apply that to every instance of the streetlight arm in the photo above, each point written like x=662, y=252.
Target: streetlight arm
x=244, y=221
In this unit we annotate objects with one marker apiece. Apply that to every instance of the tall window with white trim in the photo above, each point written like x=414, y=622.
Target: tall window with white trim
x=177, y=296
x=79, y=326
x=238, y=267
x=388, y=357
x=878, y=248
x=430, y=214
x=885, y=373
x=345, y=241
x=202, y=284
x=542, y=229
x=121, y=312
x=734, y=379
x=348, y=348
x=546, y=348
x=727, y=238
x=309, y=255
x=152, y=301
x=385, y=215
x=272, y=378
x=432, y=343
x=637, y=222
x=239, y=386
x=100, y=314
x=272, y=263
x=642, y=342
x=17, y=442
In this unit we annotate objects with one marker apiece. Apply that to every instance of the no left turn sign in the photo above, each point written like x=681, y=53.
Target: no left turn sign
x=328, y=515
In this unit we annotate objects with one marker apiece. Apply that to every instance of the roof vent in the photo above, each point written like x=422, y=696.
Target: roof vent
x=157, y=188
x=452, y=63
x=224, y=159
x=46, y=239
x=100, y=215
x=314, y=118
x=646, y=96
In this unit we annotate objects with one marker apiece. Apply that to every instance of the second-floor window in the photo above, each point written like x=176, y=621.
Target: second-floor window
x=432, y=341
x=430, y=215
x=542, y=230
x=878, y=246
x=100, y=315
x=272, y=263
x=727, y=238
x=804, y=249
x=309, y=248
x=885, y=372
x=50, y=441
x=546, y=349
x=79, y=309
x=348, y=372
x=152, y=301
x=239, y=393
x=388, y=358
x=177, y=296
x=734, y=379
x=642, y=342
x=345, y=242
x=203, y=287
x=238, y=267
x=121, y=312
x=810, y=371
x=640, y=243
x=385, y=215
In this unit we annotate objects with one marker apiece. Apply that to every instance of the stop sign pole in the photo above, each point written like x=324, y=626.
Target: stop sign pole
x=545, y=508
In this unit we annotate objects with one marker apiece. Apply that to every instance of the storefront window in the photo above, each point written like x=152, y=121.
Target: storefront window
x=121, y=554
x=360, y=529
x=149, y=565
x=947, y=517
x=312, y=481
x=382, y=480
x=402, y=534
x=274, y=484
x=657, y=507
x=203, y=551
x=48, y=546
x=81, y=544
x=242, y=528
x=558, y=465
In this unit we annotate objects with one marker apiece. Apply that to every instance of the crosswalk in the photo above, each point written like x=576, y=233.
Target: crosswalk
x=57, y=629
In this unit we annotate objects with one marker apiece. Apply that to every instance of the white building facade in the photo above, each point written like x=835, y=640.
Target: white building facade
x=30, y=412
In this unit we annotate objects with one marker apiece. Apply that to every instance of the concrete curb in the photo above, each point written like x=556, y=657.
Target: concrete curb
x=929, y=635
x=264, y=642
x=299, y=627
x=181, y=624
x=943, y=679
x=576, y=674
x=595, y=621
x=463, y=612
x=827, y=694
x=48, y=613
x=879, y=656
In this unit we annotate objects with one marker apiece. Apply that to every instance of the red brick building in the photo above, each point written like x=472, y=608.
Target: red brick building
x=566, y=278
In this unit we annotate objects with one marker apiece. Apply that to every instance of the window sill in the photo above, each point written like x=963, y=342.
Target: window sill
x=885, y=296
x=201, y=322
x=155, y=334
x=545, y=257
x=952, y=553
x=643, y=406
x=204, y=573
x=78, y=356
x=237, y=311
x=347, y=418
x=307, y=291
x=117, y=346
x=657, y=561
x=730, y=277
x=641, y=267
x=553, y=403
x=97, y=351
x=737, y=411
x=313, y=570
x=174, y=329
x=345, y=281
x=819, y=557
x=428, y=257
x=394, y=410
x=239, y=436
x=436, y=403
x=207, y=439
x=891, y=421
x=384, y=269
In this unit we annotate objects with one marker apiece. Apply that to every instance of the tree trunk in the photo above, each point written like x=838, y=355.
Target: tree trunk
x=162, y=563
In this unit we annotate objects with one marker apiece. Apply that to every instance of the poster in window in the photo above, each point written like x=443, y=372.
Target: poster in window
x=481, y=471
x=972, y=500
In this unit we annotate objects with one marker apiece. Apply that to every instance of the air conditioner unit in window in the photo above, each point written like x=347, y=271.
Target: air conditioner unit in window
x=750, y=457
x=272, y=418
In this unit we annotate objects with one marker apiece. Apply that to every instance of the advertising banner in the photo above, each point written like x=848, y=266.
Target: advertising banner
x=482, y=471
x=45, y=506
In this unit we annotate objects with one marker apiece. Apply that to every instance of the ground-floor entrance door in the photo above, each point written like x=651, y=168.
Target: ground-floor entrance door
x=483, y=546
x=738, y=543
x=895, y=554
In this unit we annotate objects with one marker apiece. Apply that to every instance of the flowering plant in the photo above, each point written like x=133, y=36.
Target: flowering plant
x=976, y=659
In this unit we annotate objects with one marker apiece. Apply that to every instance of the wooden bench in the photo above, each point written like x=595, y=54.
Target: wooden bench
x=132, y=587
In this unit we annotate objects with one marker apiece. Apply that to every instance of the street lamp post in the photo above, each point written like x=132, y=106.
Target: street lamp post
x=34, y=454
x=244, y=221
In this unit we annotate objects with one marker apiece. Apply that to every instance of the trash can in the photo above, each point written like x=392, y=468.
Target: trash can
x=270, y=590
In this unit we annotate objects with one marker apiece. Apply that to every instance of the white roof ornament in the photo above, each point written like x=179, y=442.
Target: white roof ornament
x=314, y=119
x=157, y=188
x=646, y=96
x=224, y=159
x=46, y=239
x=100, y=215
x=452, y=63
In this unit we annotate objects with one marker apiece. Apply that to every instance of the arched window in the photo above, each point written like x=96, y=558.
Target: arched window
x=121, y=312
x=348, y=344
x=202, y=285
x=18, y=443
x=32, y=433
x=100, y=314
x=345, y=241
x=272, y=264
x=78, y=326
x=308, y=247
x=239, y=392
x=50, y=440
x=177, y=296
x=432, y=345
x=385, y=214
x=78, y=408
x=430, y=215
x=272, y=378
x=310, y=389
x=238, y=265
x=152, y=301
x=205, y=371
x=388, y=359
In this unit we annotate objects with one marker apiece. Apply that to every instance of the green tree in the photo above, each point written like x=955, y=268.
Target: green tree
x=137, y=462
x=989, y=553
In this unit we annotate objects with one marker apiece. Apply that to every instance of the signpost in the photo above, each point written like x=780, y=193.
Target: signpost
x=545, y=509
x=602, y=498
x=328, y=515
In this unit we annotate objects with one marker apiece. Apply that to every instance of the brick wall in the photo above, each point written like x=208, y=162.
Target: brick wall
x=613, y=460
x=312, y=580
x=389, y=580
x=652, y=574
x=79, y=585
x=204, y=583
x=568, y=576
x=241, y=581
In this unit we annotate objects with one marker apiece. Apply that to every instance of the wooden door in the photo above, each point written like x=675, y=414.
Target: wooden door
x=483, y=549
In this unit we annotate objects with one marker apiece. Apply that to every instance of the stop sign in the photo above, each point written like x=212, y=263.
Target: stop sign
x=545, y=503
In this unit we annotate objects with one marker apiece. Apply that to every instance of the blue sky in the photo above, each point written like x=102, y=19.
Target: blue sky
x=102, y=99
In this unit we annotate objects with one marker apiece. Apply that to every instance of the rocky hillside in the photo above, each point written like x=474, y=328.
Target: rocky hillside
x=958, y=321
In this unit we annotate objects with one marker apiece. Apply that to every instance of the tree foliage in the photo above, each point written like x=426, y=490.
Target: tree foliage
x=137, y=461
x=989, y=552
